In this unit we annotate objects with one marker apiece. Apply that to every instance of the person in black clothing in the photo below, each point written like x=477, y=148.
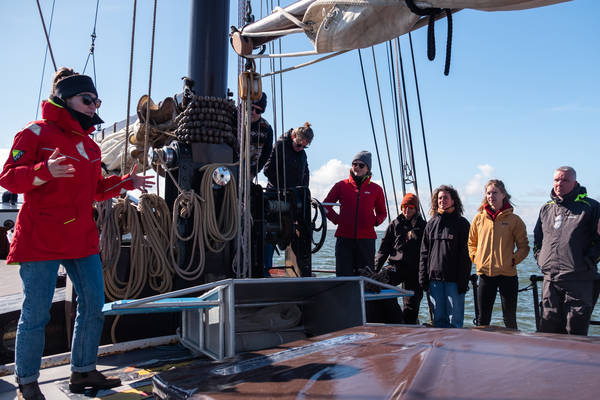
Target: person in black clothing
x=445, y=265
x=567, y=250
x=287, y=166
x=261, y=137
x=401, y=248
x=9, y=197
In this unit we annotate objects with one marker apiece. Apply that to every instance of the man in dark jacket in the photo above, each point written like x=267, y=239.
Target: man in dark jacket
x=287, y=166
x=567, y=249
x=401, y=248
x=261, y=137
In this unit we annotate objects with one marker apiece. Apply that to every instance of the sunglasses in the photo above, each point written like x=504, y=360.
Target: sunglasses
x=359, y=165
x=257, y=110
x=88, y=100
x=301, y=145
x=410, y=206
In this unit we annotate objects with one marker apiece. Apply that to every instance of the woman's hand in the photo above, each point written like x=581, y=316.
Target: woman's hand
x=57, y=169
x=140, y=182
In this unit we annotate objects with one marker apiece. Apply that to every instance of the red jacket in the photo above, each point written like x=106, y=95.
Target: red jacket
x=55, y=221
x=361, y=209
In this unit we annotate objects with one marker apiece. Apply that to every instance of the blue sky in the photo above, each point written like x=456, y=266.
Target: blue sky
x=522, y=98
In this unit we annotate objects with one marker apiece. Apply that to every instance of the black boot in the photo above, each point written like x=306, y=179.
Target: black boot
x=30, y=391
x=93, y=380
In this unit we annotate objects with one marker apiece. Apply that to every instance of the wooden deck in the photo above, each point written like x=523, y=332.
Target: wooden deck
x=10, y=283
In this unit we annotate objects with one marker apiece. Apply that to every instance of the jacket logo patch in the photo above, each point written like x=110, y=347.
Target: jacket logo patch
x=558, y=221
x=505, y=223
x=81, y=150
x=367, y=192
x=450, y=236
x=16, y=154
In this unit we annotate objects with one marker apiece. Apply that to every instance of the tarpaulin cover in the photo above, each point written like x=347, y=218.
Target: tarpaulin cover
x=399, y=362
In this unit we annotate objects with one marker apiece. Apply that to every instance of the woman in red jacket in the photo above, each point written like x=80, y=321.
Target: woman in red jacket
x=362, y=208
x=56, y=165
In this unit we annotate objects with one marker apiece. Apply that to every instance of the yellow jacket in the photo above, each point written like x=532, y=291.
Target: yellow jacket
x=492, y=243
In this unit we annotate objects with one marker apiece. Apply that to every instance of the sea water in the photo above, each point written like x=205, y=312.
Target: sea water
x=325, y=260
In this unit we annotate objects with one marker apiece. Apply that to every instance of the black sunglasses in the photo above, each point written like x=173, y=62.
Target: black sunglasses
x=359, y=164
x=257, y=110
x=87, y=100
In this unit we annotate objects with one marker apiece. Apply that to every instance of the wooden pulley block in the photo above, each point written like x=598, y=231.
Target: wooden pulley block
x=241, y=45
x=249, y=83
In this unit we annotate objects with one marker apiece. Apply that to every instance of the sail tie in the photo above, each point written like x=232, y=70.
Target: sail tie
x=433, y=13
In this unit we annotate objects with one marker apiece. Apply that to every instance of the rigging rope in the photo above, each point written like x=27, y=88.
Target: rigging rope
x=37, y=105
x=124, y=160
x=362, y=69
x=420, y=113
x=394, y=96
x=46, y=33
x=409, y=131
x=92, y=46
x=387, y=146
x=147, y=122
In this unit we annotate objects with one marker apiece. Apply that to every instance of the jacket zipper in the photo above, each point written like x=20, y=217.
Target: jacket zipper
x=356, y=214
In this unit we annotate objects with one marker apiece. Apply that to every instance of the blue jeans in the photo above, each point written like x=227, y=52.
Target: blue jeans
x=268, y=251
x=448, y=304
x=39, y=282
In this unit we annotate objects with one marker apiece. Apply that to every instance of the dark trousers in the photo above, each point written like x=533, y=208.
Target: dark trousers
x=352, y=255
x=567, y=306
x=412, y=303
x=486, y=297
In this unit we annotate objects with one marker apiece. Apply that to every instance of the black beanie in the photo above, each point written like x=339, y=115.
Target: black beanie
x=262, y=103
x=74, y=84
x=365, y=157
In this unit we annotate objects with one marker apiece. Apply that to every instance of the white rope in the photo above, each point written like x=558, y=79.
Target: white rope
x=304, y=64
x=281, y=32
x=290, y=17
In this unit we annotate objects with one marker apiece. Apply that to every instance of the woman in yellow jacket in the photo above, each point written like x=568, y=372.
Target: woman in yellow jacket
x=494, y=234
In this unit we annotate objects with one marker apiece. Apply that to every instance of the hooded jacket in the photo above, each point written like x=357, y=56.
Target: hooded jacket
x=403, y=236
x=296, y=164
x=362, y=208
x=444, y=253
x=567, y=236
x=261, y=144
x=492, y=243
x=56, y=218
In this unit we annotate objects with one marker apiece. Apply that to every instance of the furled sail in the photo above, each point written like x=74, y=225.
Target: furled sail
x=337, y=25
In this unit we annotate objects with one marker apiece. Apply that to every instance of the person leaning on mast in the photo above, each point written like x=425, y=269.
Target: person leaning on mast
x=445, y=267
x=261, y=137
x=494, y=233
x=56, y=165
x=362, y=208
x=401, y=246
x=287, y=167
x=566, y=245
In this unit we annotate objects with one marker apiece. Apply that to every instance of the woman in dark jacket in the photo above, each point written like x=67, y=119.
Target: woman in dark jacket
x=445, y=266
x=401, y=248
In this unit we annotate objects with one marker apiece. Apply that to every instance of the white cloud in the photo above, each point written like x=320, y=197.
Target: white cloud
x=323, y=179
x=475, y=185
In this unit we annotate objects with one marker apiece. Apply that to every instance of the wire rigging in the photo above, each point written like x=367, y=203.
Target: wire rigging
x=37, y=105
x=420, y=113
x=362, y=69
x=46, y=33
x=387, y=146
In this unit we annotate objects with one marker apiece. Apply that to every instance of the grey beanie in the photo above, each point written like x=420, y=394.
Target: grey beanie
x=365, y=157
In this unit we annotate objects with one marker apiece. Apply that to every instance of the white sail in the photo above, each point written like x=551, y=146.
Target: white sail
x=338, y=25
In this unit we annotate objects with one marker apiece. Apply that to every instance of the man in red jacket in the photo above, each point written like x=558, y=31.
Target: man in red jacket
x=362, y=208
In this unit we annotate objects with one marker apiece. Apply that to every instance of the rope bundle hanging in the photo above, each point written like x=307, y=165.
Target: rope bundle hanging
x=218, y=230
x=208, y=120
x=156, y=224
x=187, y=205
x=433, y=13
x=125, y=217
